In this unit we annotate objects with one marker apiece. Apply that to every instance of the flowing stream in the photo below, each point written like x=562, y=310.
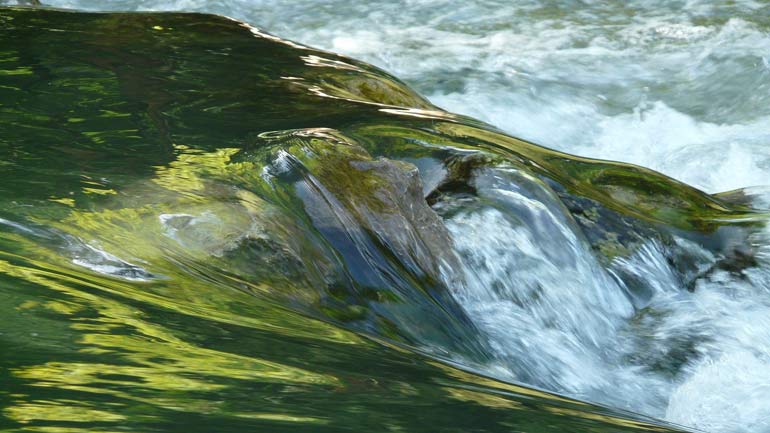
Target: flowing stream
x=682, y=87
x=572, y=287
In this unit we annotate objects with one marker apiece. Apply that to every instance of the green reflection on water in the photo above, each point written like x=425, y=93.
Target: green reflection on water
x=110, y=121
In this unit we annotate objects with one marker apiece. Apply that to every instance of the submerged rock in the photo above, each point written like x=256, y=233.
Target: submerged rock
x=394, y=252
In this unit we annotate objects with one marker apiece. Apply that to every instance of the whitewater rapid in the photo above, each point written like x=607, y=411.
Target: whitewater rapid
x=666, y=331
x=679, y=87
x=631, y=335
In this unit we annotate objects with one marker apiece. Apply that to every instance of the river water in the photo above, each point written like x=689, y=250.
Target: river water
x=677, y=86
x=681, y=87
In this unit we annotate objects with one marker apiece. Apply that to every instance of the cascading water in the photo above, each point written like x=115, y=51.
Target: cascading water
x=628, y=335
x=343, y=205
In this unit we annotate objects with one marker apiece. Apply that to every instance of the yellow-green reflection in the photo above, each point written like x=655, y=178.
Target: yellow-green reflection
x=119, y=313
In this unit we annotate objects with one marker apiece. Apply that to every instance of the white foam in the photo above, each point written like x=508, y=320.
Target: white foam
x=725, y=395
x=699, y=359
x=638, y=81
x=710, y=156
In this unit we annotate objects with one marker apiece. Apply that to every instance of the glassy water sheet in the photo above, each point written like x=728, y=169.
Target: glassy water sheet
x=286, y=247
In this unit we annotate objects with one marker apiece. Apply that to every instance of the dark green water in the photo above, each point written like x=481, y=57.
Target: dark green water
x=199, y=233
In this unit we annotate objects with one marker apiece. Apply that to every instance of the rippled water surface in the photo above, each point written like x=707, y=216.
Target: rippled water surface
x=205, y=227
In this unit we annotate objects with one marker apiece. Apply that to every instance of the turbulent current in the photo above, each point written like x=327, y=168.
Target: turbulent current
x=682, y=86
x=206, y=227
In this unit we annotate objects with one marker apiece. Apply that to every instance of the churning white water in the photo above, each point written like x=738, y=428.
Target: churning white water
x=558, y=319
x=682, y=87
